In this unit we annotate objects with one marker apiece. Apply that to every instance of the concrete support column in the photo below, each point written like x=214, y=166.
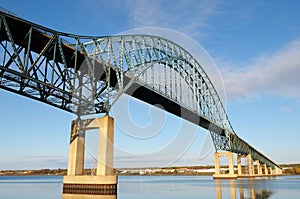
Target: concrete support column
x=266, y=169
x=76, y=151
x=250, y=164
x=278, y=171
x=106, y=146
x=105, y=125
x=217, y=163
x=239, y=163
x=231, y=163
x=218, y=174
x=259, y=169
x=271, y=170
x=105, y=182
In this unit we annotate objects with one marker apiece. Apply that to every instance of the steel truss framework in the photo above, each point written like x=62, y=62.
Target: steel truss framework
x=86, y=75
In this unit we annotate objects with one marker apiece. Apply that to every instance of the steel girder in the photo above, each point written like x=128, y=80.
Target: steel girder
x=86, y=75
x=165, y=68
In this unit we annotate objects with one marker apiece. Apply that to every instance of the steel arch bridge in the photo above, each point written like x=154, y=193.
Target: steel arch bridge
x=86, y=75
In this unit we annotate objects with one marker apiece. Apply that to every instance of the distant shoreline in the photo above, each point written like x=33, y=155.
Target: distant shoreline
x=288, y=169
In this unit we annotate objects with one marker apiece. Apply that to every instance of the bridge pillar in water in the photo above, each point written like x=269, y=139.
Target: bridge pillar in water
x=76, y=151
x=270, y=170
x=278, y=171
x=265, y=169
x=258, y=167
x=249, y=172
x=250, y=165
x=104, y=182
x=239, y=164
x=218, y=174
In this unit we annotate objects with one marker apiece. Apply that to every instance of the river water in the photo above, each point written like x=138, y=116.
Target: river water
x=159, y=187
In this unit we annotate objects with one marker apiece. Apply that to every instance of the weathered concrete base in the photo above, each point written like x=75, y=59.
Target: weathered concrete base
x=225, y=176
x=82, y=196
x=90, y=185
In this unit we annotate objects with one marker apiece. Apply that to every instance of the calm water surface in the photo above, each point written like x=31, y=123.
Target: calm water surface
x=164, y=187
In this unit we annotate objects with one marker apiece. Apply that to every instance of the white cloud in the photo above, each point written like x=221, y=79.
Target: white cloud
x=287, y=109
x=275, y=74
x=188, y=16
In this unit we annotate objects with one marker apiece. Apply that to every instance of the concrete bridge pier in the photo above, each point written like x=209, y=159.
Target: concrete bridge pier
x=278, y=171
x=218, y=174
x=104, y=182
x=266, y=172
x=250, y=166
x=270, y=170
x=258, y=168
x=249, y=172
x=239, y=162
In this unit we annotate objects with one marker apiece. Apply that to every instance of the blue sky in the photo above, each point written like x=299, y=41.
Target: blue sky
x=255, y=45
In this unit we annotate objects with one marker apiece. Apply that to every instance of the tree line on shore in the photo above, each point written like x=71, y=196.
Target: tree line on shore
x=288, y=169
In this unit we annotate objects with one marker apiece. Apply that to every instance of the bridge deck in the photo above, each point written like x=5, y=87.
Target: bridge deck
x=20, y=28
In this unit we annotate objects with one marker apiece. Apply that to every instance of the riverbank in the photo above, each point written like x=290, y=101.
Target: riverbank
x=288, y=169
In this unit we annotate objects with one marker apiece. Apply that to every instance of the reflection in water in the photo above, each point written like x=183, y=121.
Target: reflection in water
x=158, y=187
x=234, y=189
x=244, y=190
x=81, y=196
